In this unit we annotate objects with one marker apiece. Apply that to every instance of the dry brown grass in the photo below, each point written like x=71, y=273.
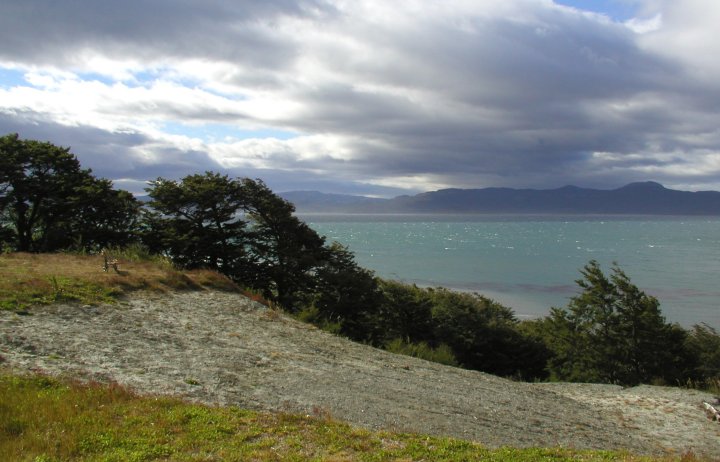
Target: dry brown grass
x=27, y=279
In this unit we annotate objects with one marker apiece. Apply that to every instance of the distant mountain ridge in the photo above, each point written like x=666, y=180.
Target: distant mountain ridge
x=643, y=198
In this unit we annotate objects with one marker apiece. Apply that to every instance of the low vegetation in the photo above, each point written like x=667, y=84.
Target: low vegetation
x=28, y=279
x=43, y=419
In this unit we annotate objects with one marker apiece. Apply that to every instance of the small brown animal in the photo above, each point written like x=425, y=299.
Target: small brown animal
x=108, y=261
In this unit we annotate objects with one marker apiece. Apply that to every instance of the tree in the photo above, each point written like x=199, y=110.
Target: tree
x=286, y=252
x=348, y=297
x=484, y=335
x=704, y=343
x=103, y=216
x=612, y=332
x=47, y=202
x=239, y=227
x=198, y=223
x=407, y=313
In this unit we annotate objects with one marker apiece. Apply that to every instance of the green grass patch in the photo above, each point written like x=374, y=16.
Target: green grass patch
x=28, y=290
x=43, y=419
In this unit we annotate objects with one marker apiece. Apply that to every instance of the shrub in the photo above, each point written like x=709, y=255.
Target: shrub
x=703, y=342
x=612, y=332
x=441, y=354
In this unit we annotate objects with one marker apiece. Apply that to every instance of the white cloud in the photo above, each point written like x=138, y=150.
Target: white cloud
x=412, y=94
x=688, y=35
x=645, y=25
x=410, y=182
x=302, y=153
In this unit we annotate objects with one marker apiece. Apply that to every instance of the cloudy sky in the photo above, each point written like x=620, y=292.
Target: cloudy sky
x=371, y=97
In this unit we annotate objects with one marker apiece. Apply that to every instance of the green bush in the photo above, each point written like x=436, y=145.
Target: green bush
x=481, y=334
x=441, y=354
x=703, y=342
x=406, y=313
x=612, y=332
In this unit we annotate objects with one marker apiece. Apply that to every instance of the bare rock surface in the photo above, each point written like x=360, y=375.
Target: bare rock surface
x=221, y=348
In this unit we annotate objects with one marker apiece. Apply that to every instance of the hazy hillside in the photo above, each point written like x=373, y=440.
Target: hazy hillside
x=635, y=198
x=314, y=201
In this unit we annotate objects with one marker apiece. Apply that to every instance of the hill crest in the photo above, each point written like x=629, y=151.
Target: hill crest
x=640, y=198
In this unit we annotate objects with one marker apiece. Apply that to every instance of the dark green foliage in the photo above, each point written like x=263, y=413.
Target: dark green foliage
x=347, y=296
x=48, y=203
x=442, y=354
x=196, y=222
x=484, y=335
x=286, y=252
x=34, y=178
x=481, y=334
x=613, y=333
x=406, y=313
x=703, y=342
x=103, y=216
x=240, y=228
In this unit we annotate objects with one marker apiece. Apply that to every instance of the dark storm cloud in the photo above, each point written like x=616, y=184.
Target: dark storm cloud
x=47, y=31
x=524, y=97
x=112, y=155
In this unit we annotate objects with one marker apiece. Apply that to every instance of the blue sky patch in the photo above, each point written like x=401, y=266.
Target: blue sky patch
x=96, y=77
x=618, y=10
x=12, y=78
x=220, y=132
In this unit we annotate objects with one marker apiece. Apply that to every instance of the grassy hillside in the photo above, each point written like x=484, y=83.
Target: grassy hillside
x=27, y=279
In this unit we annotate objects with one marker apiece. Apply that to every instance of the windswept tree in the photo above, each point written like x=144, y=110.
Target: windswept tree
x=286, y=252
x=239, y=227
x=704, y=343
x=613, y=332
x=198, y=222
x=47, y=202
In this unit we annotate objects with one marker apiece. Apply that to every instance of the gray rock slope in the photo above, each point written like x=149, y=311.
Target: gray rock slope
x=221, y=348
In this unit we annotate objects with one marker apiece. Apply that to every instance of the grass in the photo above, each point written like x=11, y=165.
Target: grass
x=710, y=385
x=43, y=419
x=29, y=279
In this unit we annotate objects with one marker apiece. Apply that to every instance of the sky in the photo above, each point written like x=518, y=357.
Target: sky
x=371, y=97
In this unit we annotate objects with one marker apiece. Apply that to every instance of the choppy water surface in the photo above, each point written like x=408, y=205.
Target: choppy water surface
x=531, y=263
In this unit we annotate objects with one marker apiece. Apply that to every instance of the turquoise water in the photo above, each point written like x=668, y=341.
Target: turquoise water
x=531, y=263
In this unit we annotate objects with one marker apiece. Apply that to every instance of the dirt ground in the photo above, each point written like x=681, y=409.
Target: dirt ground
x=221, y=348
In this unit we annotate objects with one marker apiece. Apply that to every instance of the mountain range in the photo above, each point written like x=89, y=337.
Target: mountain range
x=644, y=198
